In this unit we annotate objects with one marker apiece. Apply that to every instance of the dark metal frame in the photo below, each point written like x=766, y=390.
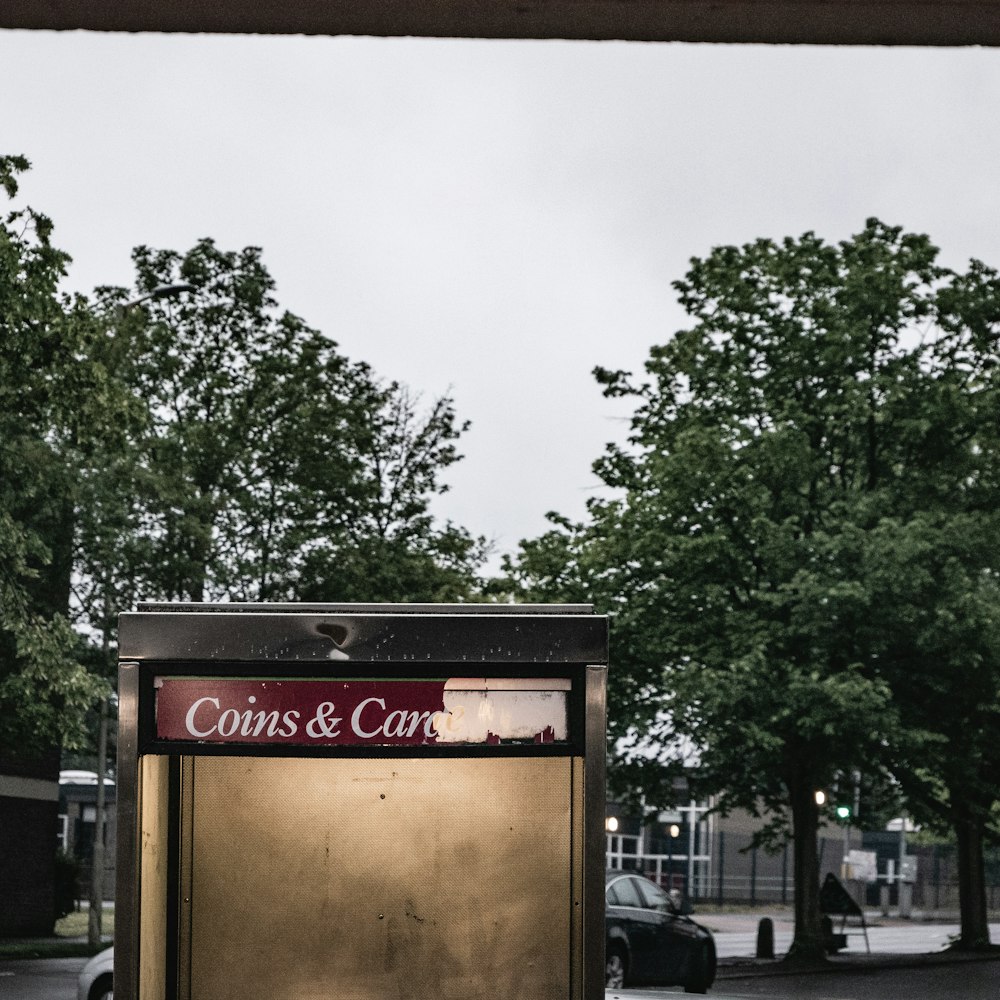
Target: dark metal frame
x=392, y=641
x=385, y=636
x=851, y=22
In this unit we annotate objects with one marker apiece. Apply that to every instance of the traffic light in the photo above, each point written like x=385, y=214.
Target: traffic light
x=843, y=813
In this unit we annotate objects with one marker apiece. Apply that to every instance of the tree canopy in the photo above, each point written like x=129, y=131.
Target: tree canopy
x=195, y=446
x=814, y=417
x=56, y=405
x=268, y=466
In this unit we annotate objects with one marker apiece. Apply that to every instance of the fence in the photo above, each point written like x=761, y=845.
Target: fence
x=725, y=869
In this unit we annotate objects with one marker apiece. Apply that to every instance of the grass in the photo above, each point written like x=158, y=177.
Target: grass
x=46, y=948
x=66, y=942
x=75, y=924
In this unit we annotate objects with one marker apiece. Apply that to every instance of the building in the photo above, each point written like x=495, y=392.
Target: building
x=711, y=857
x=77, y=823
x=29, y=808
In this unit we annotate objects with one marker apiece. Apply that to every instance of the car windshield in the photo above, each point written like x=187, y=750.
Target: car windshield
x=654, y=897
x=624, y=892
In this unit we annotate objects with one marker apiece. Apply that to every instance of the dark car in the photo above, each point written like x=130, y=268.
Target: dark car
x=648, y=939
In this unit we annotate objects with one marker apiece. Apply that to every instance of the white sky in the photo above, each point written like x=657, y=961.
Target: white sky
x=494, y=218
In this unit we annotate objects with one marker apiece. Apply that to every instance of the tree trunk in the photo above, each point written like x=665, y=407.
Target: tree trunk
x=975, y=929
x=807, y=943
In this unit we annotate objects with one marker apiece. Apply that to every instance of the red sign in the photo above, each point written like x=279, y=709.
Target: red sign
x=359, y=712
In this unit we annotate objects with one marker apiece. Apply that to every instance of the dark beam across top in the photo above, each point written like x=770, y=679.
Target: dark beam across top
x=834, y=22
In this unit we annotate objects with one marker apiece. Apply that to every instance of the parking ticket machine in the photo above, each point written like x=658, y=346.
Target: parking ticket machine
x=361, y=802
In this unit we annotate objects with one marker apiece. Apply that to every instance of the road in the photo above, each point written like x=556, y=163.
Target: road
x=55, y=979
x=40, y=979
x=977, y=980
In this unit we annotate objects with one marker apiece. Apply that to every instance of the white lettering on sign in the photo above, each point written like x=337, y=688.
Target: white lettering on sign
x=231, y=722
x=324, y=724
x=402, y=723
x=409, y=712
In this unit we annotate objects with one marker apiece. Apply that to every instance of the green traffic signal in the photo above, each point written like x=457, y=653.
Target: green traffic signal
x=843, y=812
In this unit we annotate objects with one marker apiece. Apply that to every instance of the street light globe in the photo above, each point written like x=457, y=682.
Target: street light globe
x=821, y=798
x=675, y=830
x=611, y=824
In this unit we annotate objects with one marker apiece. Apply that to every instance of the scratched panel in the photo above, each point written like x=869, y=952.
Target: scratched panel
x=153, y=877
x=370, y=880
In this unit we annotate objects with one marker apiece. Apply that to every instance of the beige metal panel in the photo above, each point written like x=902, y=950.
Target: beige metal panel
x=577, y=874
x=879, y=22
x=185, y=826
x=154, y=825
x=368, y=880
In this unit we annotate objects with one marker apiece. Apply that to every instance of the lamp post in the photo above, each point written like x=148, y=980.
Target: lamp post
x=95, y=916
x=160, y=292
x=673, y=831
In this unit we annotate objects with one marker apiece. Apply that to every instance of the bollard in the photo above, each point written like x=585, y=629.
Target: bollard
x=905, y=900
x=765, y=938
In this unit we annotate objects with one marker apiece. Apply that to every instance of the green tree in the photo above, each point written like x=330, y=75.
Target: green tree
x=389, y=547
x=55, y=404
x=933, y=579
x=268, y=466
x=773, y=441
x=934, y=575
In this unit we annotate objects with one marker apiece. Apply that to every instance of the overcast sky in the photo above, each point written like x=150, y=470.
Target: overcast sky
x=494, y=219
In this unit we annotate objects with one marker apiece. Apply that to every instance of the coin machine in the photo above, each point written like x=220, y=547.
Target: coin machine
x=361, y=802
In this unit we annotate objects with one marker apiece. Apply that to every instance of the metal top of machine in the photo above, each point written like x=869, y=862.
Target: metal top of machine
x=366, y=608
x=373, y=633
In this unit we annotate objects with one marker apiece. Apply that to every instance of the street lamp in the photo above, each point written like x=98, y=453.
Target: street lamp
x=160, y=292
x=674, y=832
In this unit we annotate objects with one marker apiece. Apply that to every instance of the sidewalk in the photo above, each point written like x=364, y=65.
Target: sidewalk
x=743, y=968
x=748, y=918
x=895, y=943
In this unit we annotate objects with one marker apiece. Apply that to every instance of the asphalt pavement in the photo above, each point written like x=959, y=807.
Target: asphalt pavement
x=40, y=978
x=972, y=979
x=907, y=962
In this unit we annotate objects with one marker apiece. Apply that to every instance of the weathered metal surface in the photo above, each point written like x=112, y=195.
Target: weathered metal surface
x=390, y=879
x=374, y=638
x=154, y=824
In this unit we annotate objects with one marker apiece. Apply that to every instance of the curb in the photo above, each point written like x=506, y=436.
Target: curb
x=760, y=968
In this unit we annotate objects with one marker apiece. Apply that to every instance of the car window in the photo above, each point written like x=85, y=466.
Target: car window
x=653, y=896
x=625, y=893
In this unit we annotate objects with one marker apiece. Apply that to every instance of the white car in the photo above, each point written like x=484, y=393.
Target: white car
x=97, y=977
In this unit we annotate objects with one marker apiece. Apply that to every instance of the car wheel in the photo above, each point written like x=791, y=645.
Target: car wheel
x=701, y=968
x=102, y=989
x=615, y=967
